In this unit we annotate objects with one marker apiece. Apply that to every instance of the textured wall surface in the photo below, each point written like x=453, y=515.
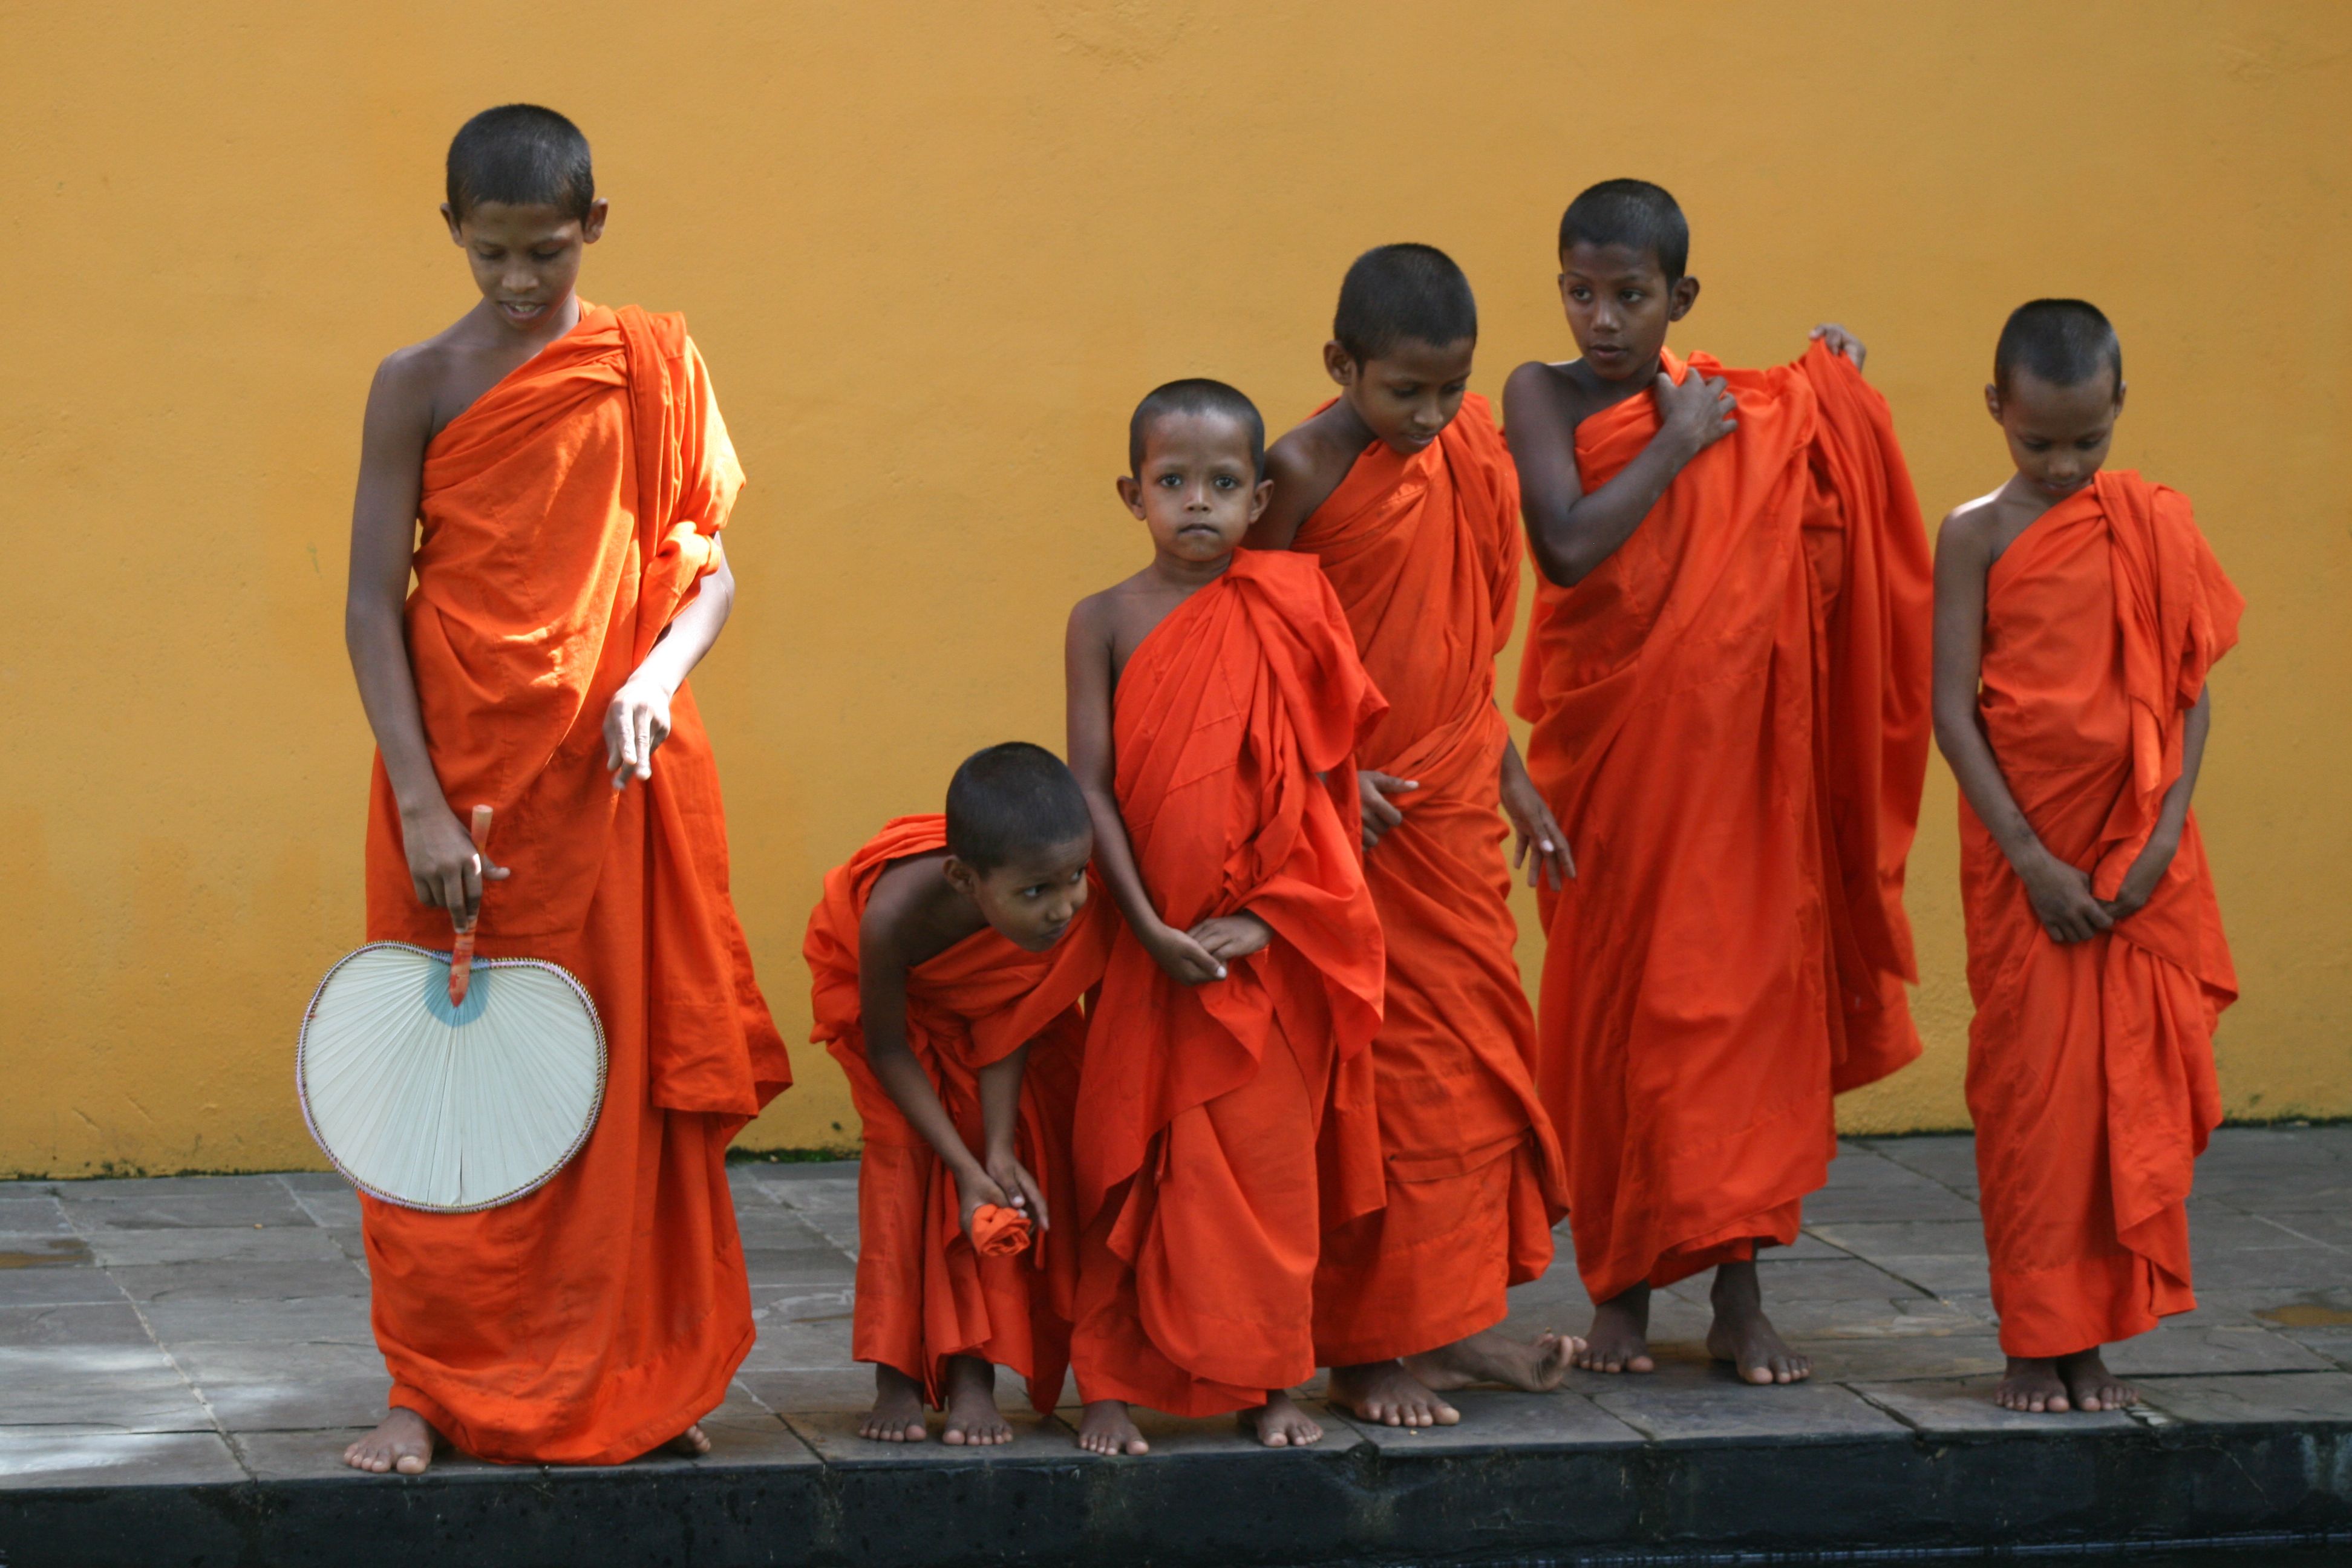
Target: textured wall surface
x=934, y=254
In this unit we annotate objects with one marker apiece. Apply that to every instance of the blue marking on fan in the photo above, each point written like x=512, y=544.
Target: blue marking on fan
x=436, y=994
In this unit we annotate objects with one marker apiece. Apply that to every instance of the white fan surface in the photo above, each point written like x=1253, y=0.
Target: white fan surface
x=449, y=1110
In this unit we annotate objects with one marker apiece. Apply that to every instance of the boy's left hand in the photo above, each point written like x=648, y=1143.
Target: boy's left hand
x=1228, y=937
x=1535, y=828
x=1840, y=341
x=1023, y=1191
x=2139, y=883
x=635, y=724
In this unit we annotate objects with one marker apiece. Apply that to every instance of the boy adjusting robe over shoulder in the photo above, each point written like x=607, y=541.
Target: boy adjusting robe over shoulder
x=929, y=1295
x=1726, y=672
x=2075, y=718
x=1225, y=1110
x=569, y=515
x=1403, y=492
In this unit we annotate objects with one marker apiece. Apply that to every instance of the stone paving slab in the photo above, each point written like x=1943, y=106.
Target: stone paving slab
x=195, y=1352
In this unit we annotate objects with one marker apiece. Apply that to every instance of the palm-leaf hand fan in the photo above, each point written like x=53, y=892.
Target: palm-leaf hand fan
x=441, y=1081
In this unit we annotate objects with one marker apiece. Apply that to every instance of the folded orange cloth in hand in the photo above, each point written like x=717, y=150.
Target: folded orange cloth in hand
x=999, y=1232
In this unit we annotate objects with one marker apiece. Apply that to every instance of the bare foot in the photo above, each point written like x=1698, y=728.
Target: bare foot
x=402, y=1441
x=972, y=1416
x=1620, y=1340
x=690, y=1444
x=1280, y=1423
x=897, y=1413
x=1104, y=1428
x=2091, y=1385
x=1531, y=1367
x=2032, y=1384
x=1385, y=1391
x=1742, y=1335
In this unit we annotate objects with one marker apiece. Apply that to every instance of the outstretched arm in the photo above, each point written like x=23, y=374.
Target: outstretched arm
x=637, y=719
x=446, y=869
x=2060, y=894
x=1087, y=668
x=1570, y=532
x=1000, y=1115
x=882, y=969
x=1533, y=826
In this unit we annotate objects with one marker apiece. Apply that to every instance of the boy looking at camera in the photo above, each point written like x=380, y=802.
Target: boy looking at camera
x=1728, y=676
x=1225, y=1109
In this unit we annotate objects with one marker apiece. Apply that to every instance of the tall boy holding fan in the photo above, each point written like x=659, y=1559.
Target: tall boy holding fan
x=571, y=472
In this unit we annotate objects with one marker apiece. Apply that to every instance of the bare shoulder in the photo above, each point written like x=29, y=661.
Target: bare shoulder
x=1547, y=395
x=1311, y=458
x=1972, y=522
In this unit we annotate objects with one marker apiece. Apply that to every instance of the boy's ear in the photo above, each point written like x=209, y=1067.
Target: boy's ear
x=1992, y=401
x=1259, y=497
x=2121, y=387
x=591, y=227
x=960, y=876
x=1339, y=363
x=450, y=216
x=1130, y=490
x=1684, y=295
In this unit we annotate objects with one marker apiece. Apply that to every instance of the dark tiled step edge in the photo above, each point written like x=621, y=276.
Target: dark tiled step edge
x=1369, y=1502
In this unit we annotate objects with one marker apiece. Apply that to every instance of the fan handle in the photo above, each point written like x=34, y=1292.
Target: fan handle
x=461, y=954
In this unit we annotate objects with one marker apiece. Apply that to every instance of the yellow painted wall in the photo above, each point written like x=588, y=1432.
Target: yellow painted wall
x=934, y=252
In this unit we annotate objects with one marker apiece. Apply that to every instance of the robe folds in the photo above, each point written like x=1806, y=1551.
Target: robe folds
x=924, y=1291
x=567, y=516
x=1223, y=1128
x=1731, y=723
x=2091, y=1074
x=1423, y=552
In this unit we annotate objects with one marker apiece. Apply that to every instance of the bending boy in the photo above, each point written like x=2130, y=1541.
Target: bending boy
x=949, y=956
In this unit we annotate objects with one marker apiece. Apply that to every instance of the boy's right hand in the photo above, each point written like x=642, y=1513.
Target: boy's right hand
x=2063, y=900
x=446, y=869
x=973, y=1188
x=1185, y=960
x=1695, y=415
x=1373, y=789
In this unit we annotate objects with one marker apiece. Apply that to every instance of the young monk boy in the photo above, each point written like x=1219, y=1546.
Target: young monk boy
x=949, y=956
x=1225, y=1110
x=1728, y=676
x=571, y=471
x=1400, y=486
x=2078, y=613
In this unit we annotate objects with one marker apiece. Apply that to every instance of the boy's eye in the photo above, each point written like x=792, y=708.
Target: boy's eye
x=1170, y=482
x=2088, y=443
x=2031, y=444
x=1630, y=295
x=1225, y=481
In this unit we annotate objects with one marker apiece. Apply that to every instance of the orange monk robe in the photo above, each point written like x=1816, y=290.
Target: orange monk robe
x=924, y=1292
x=568, y=515
x=2091, y=1064
x=1223, y=1128
x=1423, y=552
x=1731, y=724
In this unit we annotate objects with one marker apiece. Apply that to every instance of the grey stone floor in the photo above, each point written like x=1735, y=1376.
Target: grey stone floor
x=211, y=1329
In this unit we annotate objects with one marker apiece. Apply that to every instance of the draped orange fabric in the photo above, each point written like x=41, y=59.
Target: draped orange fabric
x=1226, y=1127
x=924, y=1291
x=2091, y=1064
x=1423, y=552
x=1731, y=723
x=568, y=514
